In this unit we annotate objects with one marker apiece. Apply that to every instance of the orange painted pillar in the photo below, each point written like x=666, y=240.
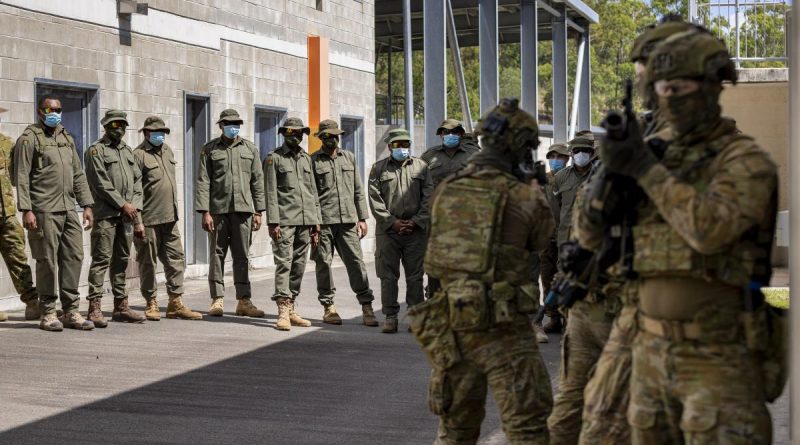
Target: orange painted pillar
x=319, y=87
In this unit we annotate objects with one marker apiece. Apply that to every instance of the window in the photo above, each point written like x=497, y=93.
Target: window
x=79, y=109
x=353, y=140
x=267, y=122
x=319, y=5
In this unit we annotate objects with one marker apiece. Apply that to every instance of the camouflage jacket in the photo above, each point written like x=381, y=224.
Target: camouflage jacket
x=229, y=178
x=292, y=198
x=114, y=178
x=341, y=195
x=400, y=190
x=159, y=187
x=6, y=188
x=441, y=164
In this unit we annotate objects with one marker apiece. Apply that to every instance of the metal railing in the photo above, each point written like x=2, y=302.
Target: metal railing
x=393, y=112
x=754, y=30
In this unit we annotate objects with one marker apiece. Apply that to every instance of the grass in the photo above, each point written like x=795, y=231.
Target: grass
x=777, y=296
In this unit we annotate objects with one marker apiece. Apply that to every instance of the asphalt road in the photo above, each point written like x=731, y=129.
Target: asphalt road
x=227, y=380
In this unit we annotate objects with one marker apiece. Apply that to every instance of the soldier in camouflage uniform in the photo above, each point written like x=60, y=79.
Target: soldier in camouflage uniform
x=115, y=181
x=701, y=239
x=229, y=193
x=157, y=236
x=12, y=238
x=400, y=188
x=343, y=207
x=50, y=181
x=476, y=330
x=294, y=218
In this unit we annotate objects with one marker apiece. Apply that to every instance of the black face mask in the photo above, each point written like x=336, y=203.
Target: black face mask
x=115, y=134
x=693, y=112
x=330, y=144
x=293, y=142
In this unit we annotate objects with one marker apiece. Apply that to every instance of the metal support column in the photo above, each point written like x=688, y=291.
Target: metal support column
x=487, y=39
x=576, y=91
x=693, y=17
x=529, y=44
x=560, y=114
x=408, y=52
x=585, y=97
x=794, y=216
x=390, y=93
x=452, y=40
x=435, y=69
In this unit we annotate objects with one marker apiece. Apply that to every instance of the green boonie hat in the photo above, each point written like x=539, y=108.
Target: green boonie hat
x=560, y=149
x=114, y=115
x=449, y=124
x=230, y=116
x=398, y=134
x=328, y=126
x=653, y=35
x=295, y=123
x=581, y=142
x=154, y=123
x=691, y=55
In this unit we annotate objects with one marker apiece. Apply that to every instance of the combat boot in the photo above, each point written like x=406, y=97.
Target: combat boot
x=389, y=326
x=74, y=320
x=152, y=312
x=284, y=308
x=123, y=313
x=330, y=316
x=51, y=323
x=246, y=308
x=95, y=313
x=368, y=315
x=32, y=311
x=217, y=307
x=541, y=336
x=554, y=326
x=176, y=309
x=3, y=316
x=296, y=319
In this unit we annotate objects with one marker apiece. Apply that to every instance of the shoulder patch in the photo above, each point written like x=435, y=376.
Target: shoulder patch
x=269, y=160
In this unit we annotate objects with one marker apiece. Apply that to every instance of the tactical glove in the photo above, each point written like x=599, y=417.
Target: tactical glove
x=628, y=156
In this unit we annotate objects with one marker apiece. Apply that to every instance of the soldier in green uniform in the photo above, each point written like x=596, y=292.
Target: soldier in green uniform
x=343, y=206
x=476, y=329
x=702, y=242
x=12, y=238
x=229, y=193
x=115, y=181
x=400, y=187
x=157, y=236
x=293, y=216
x=50, y=181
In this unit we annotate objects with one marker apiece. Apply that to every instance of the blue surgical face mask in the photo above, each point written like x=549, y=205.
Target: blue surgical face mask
x=556, y=164
x=230, y=131
x=451, y=140
x=52, y=119
x=157, y=138
x=581, y=159
x=400, y=154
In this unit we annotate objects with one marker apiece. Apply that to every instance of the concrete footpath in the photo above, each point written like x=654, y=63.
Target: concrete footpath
x=228, y=380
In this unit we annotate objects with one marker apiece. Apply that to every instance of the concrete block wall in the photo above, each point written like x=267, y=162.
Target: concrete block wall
x=266, y=66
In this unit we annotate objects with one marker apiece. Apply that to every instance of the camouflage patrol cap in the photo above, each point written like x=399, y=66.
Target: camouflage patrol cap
x=154, y=123
x=653, y=35
x=295, y=123
x=230, y=116
x=692, y=55
x=329, y=126
x=508, y=125
x=397, y=134
x=559, y=149
x=114, y=116
x=450, y=124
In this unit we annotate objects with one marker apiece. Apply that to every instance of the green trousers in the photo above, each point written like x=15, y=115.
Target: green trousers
x=390, y=251
x=161, y=242
x=508, y=362
x=232, y=231
x=548, y=260
x=290, y=252
x=57, y=247
x=111, y=250
x=587, y=331
x=12, y=247
x=343, y=238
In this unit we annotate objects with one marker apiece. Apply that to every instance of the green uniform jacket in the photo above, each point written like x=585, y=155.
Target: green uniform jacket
x=565, y=187
x=341, y=195
x=6, y=192
x=442, y=165
x=292, y=198
x=48, y=171
x=229, y=178
x=400, y=191
x=159, y=189
x=114, y=178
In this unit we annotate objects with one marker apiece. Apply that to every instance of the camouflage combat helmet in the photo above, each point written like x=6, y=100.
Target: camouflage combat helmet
x=654, y=34
x=508, y=128
x=692, y=55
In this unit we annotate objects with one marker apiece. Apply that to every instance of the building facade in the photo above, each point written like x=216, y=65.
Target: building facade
x=187, y=60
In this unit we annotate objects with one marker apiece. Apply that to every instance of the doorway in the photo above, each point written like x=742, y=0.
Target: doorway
x=197, y=131
x=268, y=120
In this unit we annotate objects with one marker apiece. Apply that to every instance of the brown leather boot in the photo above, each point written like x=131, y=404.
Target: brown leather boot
x=32, y=311
x=284, y=308
x=152, y=312
x=217, y=308
x=125, y=314
x=74, y=320
x=555, y=325
x=246, y=308
x=95, y=313
x=50, y=322
x=330, y=316
x=176, y=309
x=296, y=319
x=389, y=326
x=368, y=315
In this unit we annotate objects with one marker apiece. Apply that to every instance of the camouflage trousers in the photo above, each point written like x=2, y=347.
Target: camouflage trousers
x=12, y=247
x=587, y=331
x=508, y=362
x=161, y=242
x=606, y=396
x=694, y=393
x=343, y=238
x=111, y=250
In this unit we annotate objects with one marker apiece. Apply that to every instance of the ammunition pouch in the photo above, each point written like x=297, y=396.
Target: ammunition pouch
x=430, y=325
x=767, y=335
x=474, y=308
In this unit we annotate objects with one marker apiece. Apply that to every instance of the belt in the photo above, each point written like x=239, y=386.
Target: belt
x=671, y=330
